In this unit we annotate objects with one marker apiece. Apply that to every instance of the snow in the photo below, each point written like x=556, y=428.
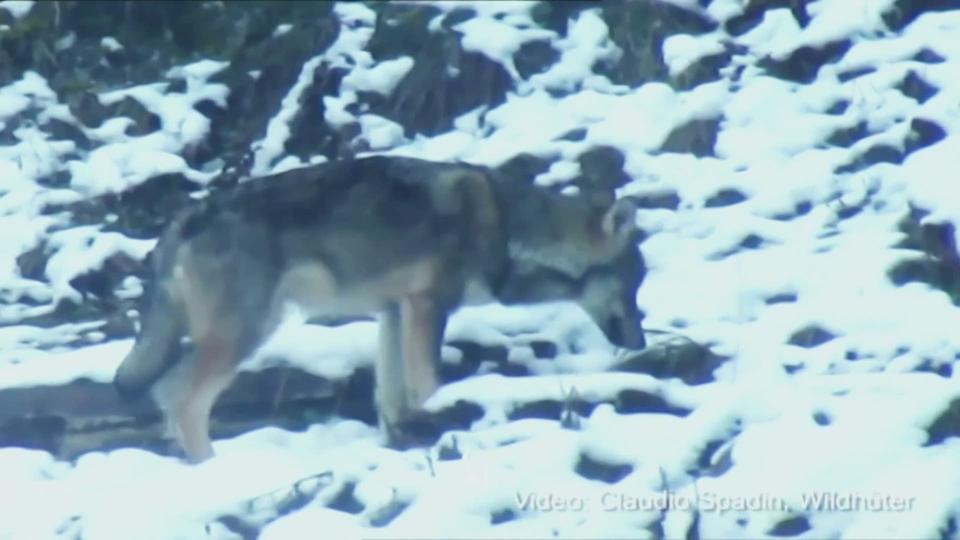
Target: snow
x=498, y=40
x=31, y=89
x=681, y=51
x=586, y=44
x=18, y=8
x=380, y=78
x=381, y=133
x=130, y=160
x=833, y=20
x=83, y=249
x=560, y=171
x=111, y=44
x=365, y=75
x=278, y=130
x=282, y=29
x=799, y=427
x=342, y=349
x=23, y=366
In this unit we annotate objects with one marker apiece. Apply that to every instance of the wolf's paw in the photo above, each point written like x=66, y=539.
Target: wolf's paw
x=416, y=428
x=417, y=394
x=421, y=428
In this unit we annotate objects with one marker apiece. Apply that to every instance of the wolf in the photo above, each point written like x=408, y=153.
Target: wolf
x=405, y=239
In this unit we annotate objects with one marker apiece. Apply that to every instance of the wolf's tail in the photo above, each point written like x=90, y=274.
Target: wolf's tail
x=162, y=323
x=157, y=347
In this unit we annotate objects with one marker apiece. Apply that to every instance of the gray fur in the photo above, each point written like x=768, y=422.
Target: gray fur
x=409, y=239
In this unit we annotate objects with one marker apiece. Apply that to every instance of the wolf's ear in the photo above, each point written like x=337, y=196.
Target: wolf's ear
x=619, y=221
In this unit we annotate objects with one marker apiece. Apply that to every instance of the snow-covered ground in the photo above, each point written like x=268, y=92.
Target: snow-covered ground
x=822, y=439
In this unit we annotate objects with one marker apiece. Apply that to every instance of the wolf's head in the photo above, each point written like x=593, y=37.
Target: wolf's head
x=608, y=288
x=566, y=248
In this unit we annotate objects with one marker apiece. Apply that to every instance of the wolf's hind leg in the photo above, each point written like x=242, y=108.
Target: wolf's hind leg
x=209, y=374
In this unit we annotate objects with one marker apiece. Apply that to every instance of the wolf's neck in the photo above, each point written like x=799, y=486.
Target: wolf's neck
x=543, y=228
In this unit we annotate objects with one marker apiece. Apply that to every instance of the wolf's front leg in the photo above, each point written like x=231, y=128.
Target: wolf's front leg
x=411, y=333
x=390, y=393
x=422, y=322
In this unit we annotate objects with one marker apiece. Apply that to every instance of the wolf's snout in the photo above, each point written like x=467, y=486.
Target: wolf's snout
x=625, y=332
